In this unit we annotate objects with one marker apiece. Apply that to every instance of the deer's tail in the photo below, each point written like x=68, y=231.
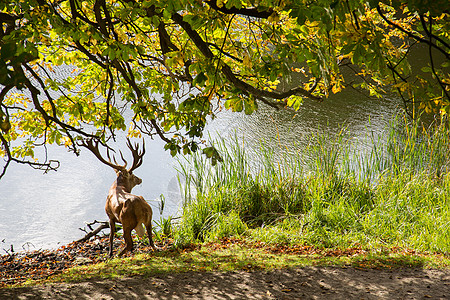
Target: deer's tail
x=140, y=230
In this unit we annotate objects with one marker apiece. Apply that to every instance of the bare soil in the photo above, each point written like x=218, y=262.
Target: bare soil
x=298, y=283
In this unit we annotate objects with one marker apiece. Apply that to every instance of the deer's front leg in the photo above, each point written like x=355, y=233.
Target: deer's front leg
x=112, y=230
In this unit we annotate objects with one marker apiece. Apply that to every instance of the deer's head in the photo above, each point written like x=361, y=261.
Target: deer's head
x=125, y=177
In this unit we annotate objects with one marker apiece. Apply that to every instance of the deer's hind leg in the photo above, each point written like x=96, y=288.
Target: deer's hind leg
x=128, y=240
x=148, y=226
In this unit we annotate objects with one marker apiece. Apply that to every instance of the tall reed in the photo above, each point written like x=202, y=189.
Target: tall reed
x=328, y=193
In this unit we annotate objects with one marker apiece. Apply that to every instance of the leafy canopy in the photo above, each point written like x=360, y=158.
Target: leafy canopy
x=170, y=65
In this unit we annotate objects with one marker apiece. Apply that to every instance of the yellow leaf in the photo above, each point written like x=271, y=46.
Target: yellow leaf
x=180, y=60
x=247, y=61
x=67, y=141
x=336, y=89
x=274, y=17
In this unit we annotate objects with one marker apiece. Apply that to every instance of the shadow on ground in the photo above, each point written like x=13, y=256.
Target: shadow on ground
x=299, y=283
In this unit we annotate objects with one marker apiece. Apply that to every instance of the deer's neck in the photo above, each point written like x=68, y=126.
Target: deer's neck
x=120, y=187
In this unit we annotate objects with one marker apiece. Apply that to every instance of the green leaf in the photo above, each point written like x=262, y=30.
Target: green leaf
x=250, y=105
x=236, y=104
x=8, y=51
x=200, y=79
x=212, y=154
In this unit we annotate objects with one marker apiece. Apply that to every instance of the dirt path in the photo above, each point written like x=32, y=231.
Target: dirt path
x=301, y=283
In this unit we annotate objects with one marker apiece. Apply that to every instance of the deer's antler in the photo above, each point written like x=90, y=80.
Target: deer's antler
x=92, y=145
x=137, y=156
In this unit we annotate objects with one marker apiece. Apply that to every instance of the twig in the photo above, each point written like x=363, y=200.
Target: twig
x=103, y=225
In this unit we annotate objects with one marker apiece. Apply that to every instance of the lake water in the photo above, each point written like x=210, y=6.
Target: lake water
x=46, y=210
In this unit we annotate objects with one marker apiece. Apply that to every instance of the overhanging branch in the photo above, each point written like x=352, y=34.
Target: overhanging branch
x=412, y=35
x=51, y=165
x=250, y=12
x=226, y=70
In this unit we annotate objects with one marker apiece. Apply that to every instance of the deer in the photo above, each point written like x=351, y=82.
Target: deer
x=121, y=206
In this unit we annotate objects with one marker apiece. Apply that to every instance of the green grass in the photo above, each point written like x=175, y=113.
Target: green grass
x=327, y=195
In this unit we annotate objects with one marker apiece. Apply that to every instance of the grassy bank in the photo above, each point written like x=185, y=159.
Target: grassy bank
x=328, y=194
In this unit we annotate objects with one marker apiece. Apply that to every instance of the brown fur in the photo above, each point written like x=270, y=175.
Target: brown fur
x=121, y=206
x=130, y=210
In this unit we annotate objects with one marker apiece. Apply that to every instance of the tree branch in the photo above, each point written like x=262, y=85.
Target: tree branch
x=103, y=225
x=46, y=166
x=164, y=39
x=433, y=69
x=250, y=12
x=411, y=35
x=34, y=92
x=430, y=34
x=225, y=53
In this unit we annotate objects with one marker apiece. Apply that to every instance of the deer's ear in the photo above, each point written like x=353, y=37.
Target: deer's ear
x=117, y=172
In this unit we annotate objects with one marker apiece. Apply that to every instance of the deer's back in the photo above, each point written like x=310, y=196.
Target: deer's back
x=128, y=206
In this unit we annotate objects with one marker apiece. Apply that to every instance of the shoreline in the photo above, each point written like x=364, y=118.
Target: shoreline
x=18, y=267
